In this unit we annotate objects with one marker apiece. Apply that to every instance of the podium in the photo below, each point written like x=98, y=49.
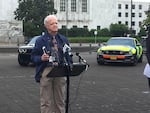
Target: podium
x=68, y=71
x=62, y=71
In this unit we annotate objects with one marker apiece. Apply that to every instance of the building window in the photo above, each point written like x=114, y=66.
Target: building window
x=119, y=6
x=133, y=6
x=126, y=14
x=126, y=23
x=73, y=5
x=140, y=24
x=98, y=27
x=140, y=6
x=84, y=5
x=62, y=5
x=133, y=23
x=63, y=27
x=133, y=14
x=134, y=31
x=119, y=14
x=74, y=26
x=85, y=27
x=126, y=6
x=119, y=22
x=140, y=14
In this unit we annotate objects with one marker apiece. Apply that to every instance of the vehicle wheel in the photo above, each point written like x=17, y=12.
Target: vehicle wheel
x=100, y=63
x=22, y=62
x=141, y=59
x=135, y=62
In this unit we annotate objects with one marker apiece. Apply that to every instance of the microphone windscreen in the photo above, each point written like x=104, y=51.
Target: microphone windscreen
x=77, y=53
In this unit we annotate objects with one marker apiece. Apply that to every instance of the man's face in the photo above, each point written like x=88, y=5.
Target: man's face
x=51, y=25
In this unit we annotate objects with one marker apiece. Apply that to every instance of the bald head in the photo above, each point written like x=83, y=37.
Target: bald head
x=49, y=18
x=50, y=22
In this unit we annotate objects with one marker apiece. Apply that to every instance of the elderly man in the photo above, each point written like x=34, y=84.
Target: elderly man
x=47, y=53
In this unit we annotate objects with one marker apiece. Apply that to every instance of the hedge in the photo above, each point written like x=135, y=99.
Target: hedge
x=87, y=39
x=91, y=39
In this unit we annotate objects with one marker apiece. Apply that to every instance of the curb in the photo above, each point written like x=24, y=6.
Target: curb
x=74, y=49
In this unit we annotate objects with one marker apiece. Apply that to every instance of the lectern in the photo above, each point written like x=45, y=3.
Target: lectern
x=68, y=71
x=62, y=71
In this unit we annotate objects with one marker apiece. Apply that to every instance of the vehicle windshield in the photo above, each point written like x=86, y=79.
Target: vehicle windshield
x=126, y=42
x=33, y=40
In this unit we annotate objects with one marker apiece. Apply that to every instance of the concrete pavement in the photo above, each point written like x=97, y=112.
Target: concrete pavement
x=72, y=44
x=76, y=47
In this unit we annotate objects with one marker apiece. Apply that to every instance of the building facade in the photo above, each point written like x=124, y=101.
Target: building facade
x=134, y=17
x=10, y=29
x=98, y=14
x=91, y=14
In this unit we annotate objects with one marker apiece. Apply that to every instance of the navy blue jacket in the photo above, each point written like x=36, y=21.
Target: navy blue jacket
x=37, y=52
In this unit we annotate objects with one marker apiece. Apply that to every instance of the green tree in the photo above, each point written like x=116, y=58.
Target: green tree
x=142, y=32
x=147, y=20
x=74, y=32
x=118, y=29
x=32, y=13
x=104, y=32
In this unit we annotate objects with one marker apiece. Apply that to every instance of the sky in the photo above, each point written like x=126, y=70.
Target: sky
x=138, y=0
x=141, y=0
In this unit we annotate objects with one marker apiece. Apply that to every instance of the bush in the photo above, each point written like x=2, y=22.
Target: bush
x=75, y=32
x=104, y=32
x=87, y=39
x=118, y=29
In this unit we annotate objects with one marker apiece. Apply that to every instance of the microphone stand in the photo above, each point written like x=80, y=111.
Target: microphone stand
x=68, y=87
x=81, y=60
x=68, y=66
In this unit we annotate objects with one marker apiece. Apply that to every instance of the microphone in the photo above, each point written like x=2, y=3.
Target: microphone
x=67, y=54
x=44, y=50
x=83, y=60
x=66, y=48
x=80, y=58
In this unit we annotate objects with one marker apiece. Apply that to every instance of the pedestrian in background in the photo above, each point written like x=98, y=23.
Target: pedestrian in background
x=148, y=51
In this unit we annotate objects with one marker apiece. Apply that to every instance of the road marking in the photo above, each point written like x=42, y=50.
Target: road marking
x=146, y=92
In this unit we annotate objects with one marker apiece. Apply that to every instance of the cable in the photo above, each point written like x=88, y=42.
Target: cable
x=76, y=92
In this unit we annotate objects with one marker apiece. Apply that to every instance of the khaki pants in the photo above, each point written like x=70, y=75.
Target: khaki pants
x=52, y=93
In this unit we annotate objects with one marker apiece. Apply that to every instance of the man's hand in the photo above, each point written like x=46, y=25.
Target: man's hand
x=45, y=57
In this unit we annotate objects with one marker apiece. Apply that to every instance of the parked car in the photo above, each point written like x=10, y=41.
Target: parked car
x=120, y=50
x=24, y=52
